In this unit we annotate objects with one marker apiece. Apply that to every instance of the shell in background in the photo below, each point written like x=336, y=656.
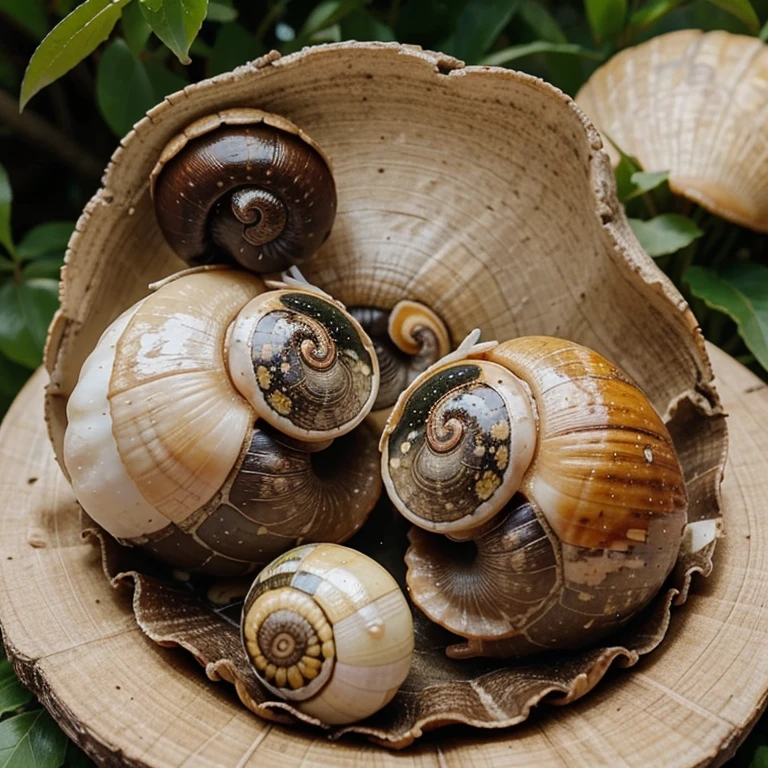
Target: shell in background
x=694, y=104
x=482, y=193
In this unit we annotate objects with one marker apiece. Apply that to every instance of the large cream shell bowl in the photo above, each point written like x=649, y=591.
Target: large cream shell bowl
x=485, y=195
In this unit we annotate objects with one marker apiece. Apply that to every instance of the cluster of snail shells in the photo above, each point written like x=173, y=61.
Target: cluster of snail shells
x=219, y=422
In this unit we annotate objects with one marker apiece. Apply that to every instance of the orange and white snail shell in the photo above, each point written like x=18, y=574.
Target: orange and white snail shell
x=558, y=482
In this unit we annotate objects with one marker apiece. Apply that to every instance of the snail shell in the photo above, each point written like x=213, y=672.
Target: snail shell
x=692, y=104
x=244, y=185
x=407, y=339
x=328, y=629
x=163, y=451
x=558, y=474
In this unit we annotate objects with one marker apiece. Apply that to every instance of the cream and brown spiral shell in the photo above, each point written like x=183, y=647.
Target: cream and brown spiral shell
x=579, y=542
x=164, y=451
x=328, y=629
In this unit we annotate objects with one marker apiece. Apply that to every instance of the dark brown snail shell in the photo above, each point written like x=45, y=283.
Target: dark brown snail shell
x=245, y=186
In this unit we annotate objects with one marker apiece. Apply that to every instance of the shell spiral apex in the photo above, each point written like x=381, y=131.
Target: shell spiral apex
x=328, y=629
x=247, y=186
x=558, y=469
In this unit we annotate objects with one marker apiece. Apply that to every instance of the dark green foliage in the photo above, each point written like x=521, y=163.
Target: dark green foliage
x=95, y=67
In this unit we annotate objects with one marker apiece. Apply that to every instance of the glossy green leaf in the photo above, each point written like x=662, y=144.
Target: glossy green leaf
x=606, y=18
x=480, y=23
x=665, y=234
x=326, y=14
x=740, y=290
x=764, y=36
x=652, y=12
x=506, y=55
x=361, y=25
x=221, y=11
x=124, y=91
x=234, y=46
x=541, y=22
x=176, y=23
x=13, y=695
x=47, y=267
x=742, y=10
x=28, y=14
x=46, y=240
x=136, y=31
x=6, y=196
x=69, y=42
x=26, y=310
x=642, y=182
x=31, y=740
x=627, y=167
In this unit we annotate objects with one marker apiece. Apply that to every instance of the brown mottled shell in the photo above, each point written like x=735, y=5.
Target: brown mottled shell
x=693, y=104
x=469, y=218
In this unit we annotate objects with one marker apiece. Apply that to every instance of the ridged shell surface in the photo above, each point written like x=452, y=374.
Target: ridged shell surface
x=693, y=104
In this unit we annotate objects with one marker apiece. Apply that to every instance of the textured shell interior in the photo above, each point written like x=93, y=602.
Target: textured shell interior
x=693, y=104
x=485, y=195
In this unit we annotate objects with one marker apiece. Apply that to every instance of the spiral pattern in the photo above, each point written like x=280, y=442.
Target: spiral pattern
x=304, y=364
x=289, y=641
x=457, y=445
x=253, y=193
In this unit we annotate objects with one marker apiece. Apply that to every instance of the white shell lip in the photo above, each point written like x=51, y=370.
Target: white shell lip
x=524, y=433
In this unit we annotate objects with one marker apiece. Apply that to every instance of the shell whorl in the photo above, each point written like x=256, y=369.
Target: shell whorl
x=303, y=363
x=457, y=445
x=407, y=340
x=266, y=193
x=329, y=610
x=290, y=642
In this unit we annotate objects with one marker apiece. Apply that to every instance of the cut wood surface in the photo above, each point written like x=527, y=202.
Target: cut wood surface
x=74, y=641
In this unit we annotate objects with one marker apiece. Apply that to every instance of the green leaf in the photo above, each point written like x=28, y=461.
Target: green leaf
x=764, y=36
x=26, y=310
x=642, y=182
x=740, y=290
x=504, y=56
x=627, y=167
x=124, y=92
x=176, y=22
x=69, y=42
x=665, y=234
x=218, y=10
x=479, y=24
x=28, y=14
x=46, y=240
x=48, y=267
x=136, y=31
x=606, y=18
x=234, y=46
x=654, y=11
x=742, y=10
x=326, y=14
x=31, y=739
x=361, y=25
x=13, y=695
x=760, y=759
x=6, y=196
x=541, y=22
x=164, y=82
